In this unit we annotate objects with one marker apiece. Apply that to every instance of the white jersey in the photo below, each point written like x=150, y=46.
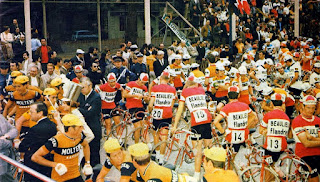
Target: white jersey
x=232, y=72
x=314, y=77
x=250, y=65
x=295, y=67
x=185, y=69
x=262, y=75
x=260, y=62
x=282, y=78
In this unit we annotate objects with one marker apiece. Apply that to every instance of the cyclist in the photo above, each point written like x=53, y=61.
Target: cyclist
x=213, y=164
x=275, y=126
x=160, y=107
x=149, y=170
x=121, y=160
x=305, y=129
x=194, y=98
x=57, y=84
x=78, y=70
x=134, y=93
x=108, y=93
x=198, y=75
x=210, y=73
x=65, y=148
x=315, y=76
x=177, y=68
x=240, y=119
x=22, y=98
x=186, y=65
x=261, y=75
x=244, y=85
x=220, y=86
x=281, y=78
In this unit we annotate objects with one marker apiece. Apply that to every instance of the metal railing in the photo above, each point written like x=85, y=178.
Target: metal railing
x=25, y=168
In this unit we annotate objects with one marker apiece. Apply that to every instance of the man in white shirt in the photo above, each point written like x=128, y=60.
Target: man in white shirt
x=50, y=75
x=35, y=79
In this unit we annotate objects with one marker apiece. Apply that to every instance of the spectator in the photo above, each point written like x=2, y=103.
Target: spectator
x=19, y=46
x=6, y=39
x=206, y=31
x=34, y=77
x=43, y=51
x=67, y=64
x=160, y=64
x=95, y=74
x=139, y=67
x=78, y=59
x=35, y=43
x=49, y=76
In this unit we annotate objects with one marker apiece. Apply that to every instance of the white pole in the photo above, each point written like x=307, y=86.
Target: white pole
x=99, y=24
x=233, y=21
x=27, y=26
x=296, y=18
x=147, y=21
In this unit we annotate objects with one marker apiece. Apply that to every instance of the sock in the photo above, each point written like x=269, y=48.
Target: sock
x=161, y=156
x=196, y=175
x=157, y=154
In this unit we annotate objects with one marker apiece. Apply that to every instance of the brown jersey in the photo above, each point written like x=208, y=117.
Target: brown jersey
x=23, y=102
x=66, y=151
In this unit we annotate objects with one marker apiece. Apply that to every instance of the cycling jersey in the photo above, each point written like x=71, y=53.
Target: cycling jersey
x=282, y=78
x=243, y=84
x=314, y=77
x=217, y=80
x=292, y=70
x=236, y=113
x=289, y=100
x=178, y=71
x=108, y=95
x=66, y=151
x=195, y=99
x=23, y=102
x=133, y=88
x=164, y=97
x=262, y=75
x=232, y=73
x=185, y=69
x=156, y=173
x=277, y=124
x=220, y=175
x=210, y=73
x=299, y=125
x=250, y=65
x=198, y=77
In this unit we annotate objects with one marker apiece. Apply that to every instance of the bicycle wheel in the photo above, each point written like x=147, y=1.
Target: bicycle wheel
x=145, y=136
x=294, y=169
x=253, y=174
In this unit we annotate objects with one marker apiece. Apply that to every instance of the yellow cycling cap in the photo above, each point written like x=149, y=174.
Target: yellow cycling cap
x=49, y=91
x=71, y=120
x=111, y=145
x=138, y=150
x=56, y=82
x=216, y=154
x=21, y=79
x=15, y=74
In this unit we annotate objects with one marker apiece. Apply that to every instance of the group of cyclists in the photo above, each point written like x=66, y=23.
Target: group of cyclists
x=277, y=96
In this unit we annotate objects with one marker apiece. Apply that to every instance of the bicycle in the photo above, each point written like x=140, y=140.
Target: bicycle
x=288, y=168
x=180, y=144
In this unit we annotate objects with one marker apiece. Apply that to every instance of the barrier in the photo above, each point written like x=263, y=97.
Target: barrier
x=25, y=168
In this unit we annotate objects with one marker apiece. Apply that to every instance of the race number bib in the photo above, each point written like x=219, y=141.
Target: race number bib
x=274, y=144
x=237, y=136
x=200, y=116
x=157, y=113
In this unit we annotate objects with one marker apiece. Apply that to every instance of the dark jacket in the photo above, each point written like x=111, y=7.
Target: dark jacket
x=139, y=68
x=126, y=73
x=158, y=68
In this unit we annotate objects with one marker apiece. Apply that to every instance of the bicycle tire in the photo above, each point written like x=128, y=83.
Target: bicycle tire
x=252, y=174
x=294, y=172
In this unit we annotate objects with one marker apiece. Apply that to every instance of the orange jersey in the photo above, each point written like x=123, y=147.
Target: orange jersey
x=221, y=81
x=150, y=60
x=178, y=71
x=23, y=102
x=66, y=151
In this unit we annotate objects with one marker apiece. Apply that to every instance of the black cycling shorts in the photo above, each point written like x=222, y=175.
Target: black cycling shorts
x=133, y=112
x=203, y=131
x=160, y=123
x=236, y=147
x=107, y=113
x=224, y=100
x=275, y=155
x=314, y=163
x=295, y=92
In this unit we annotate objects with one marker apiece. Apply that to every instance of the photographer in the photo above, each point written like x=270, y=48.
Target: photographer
x=95, y=74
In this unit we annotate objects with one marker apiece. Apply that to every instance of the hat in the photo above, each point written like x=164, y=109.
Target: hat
x=177, y=57
x=78, y=69
x=117, y=59
x=111, y=145
x=287, y=58
x=165, y=73
x=194, y=65
x=134, y=46
x=233, y=89
x=245, y=56
x=56, y=82
x=21, y=79
x=267, y=91
x=79, y=51
x=268, y=61
x=71, y=120
x=296, y=55
x=316, y=65
x=278, y=66
x=243, y=70
x=191, y=78
x=267, y=39
x=215, y=53
x=276, y=96
x=111, y=76
x=15, y=74
x=144, y=77
x=186, y=56
x=160, y=53
x=226, y=63
x=138, y=150
x=49, y=91
x=309, y=40
x=139, y=54
x=309, y=100
x=220, y=68
x=216, y=154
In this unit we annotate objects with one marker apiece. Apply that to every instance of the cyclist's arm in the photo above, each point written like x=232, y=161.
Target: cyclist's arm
x=8, y=105
x=150, y=106
x=224, y=87
x=150, y=87
x=253, y=76
x=127, y=95
x=19, y=122
x=252, y=120
x=38, y=158
x=263, y=131
x=216, y=123
x=250, y=90
x=206, y=81
x=265, y=107
x=125, y=178
x=275, y=82
x=103, y=173
x=308, y=143
x=86, y=150
x=178, y=114
x=13, y=111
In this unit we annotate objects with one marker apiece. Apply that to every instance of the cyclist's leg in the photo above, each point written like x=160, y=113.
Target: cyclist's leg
x=116, y=120
x=107, y=120
x=313, y=162
x=275, y=157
